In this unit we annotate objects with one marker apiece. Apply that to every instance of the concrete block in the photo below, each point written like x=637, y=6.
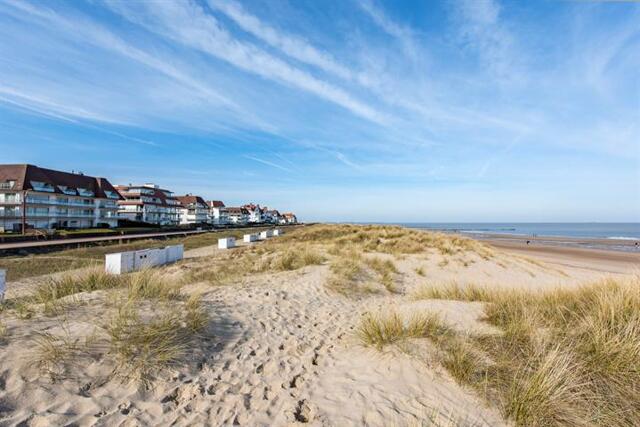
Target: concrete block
x=226, y=243
x=248, y=238
x=118, y=263
x=3, y=283
x=174, y=253
x=264, y=235
x=125, y=262
x=277, y=232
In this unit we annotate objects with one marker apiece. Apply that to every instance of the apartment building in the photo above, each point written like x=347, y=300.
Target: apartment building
x=217, y=212
x=255, y=213
x=148, y=203
x=35, y=197
x=288, y=218
x=271, y=216
x=193, y=210
x=238, y=215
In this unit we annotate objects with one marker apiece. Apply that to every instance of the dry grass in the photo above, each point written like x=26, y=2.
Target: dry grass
x=386, y=270
x=389, y=239
x=567, y=357
x=141, y=348
x=454, y=291
x=54, y=289
x=149, y=284
x=4, y=333
x=271, y=256
x=196, y=315
x=380, y=330
x=420, y=271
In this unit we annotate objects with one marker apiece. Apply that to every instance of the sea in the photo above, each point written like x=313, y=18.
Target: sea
x=584, y=230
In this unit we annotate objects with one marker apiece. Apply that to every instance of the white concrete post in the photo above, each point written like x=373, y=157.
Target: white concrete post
x=249, y=238
x=3, y=284
x=226, y=243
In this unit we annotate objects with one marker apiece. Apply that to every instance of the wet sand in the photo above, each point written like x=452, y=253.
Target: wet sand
x=577, y=253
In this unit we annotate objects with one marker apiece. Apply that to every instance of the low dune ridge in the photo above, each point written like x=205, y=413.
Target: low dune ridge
x=327, y=325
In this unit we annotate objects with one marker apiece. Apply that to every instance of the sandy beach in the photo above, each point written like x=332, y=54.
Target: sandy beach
x=280, y=333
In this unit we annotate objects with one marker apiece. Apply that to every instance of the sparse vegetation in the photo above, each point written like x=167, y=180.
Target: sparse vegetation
x=142, y=347
x=379, y=330
x=196, y=316
x=420, y=271
x=4, y=333
x=20, y=267
x=567, y=357
x=55, y=354
x=454, y=291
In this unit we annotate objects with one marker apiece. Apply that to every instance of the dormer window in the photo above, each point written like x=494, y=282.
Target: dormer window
x=7, y=185
x=42, y=186
x=85, y=192
x=67, y=190
x=111, y=194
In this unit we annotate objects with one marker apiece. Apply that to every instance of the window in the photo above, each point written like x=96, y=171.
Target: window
x=67, y=190
x=111, y=194
x=42, y=186
x=85, y=192
x=7, y=185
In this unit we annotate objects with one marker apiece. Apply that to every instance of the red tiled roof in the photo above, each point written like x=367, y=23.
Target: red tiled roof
x=189, y=200
x=131, y=198
x=215, y=204
x=24, y=174
x=237, y=211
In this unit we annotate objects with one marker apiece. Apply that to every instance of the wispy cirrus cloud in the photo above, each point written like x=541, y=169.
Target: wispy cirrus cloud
x=268, y=163
x=290, y=44
x=188, y=23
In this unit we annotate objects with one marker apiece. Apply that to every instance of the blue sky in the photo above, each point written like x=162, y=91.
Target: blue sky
x=354, y=110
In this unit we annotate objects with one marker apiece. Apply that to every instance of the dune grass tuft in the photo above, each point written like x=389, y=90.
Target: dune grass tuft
x=69, y=284
x=143, y=347
x=454, y=291
x=380, y=330
x=4, y=332
x=196, y=316
x=566, y=356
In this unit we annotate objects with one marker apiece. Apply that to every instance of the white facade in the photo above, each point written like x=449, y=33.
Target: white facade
x=193, y=210
x=218, y=216
x=48, y=210
x=148, y=203
x=255, y=215
x=237, y=216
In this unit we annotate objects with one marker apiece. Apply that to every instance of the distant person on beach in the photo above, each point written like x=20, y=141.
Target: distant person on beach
x=528, y=241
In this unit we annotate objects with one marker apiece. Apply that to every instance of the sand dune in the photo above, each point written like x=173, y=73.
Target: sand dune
x=279, y=347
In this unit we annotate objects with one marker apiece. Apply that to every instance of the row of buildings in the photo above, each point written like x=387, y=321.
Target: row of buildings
x=39, y=198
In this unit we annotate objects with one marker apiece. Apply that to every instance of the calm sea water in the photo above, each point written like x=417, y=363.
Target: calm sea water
x=599, y=230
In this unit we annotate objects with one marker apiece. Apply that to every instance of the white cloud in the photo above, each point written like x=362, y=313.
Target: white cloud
x=189, y=24
x=291, y=45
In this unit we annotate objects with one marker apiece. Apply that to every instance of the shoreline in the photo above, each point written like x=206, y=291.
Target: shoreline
x=627, y=245
x=580, y=253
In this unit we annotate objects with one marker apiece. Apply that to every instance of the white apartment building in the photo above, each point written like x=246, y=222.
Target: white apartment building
x=148, y=203
x=193, y=210
x=217, y=212
x=39, y=198
x=255, y=213
x=238, y=215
